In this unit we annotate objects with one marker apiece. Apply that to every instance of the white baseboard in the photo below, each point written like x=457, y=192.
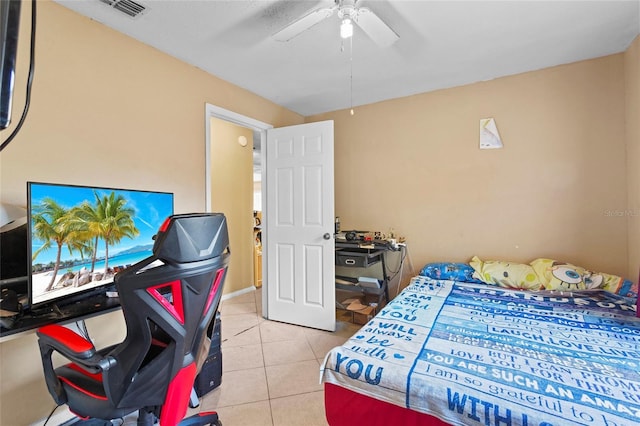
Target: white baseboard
x=238, y=293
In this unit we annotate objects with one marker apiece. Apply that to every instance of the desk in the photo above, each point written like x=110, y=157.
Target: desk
x=78, y=308
x=363, y=254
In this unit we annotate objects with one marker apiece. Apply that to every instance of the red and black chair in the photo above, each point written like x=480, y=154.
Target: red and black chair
x=169, y=302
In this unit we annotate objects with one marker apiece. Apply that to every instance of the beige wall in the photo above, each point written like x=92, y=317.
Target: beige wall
x=632, y=115
x=413, y=164
x=232, y=193
x=106, y=110
x=104, y=104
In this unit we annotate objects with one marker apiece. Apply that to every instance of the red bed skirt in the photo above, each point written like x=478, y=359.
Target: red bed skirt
x=347, y=408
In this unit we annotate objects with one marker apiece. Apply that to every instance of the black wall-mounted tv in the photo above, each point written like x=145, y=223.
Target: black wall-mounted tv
x=9, y=28
x=81, y=236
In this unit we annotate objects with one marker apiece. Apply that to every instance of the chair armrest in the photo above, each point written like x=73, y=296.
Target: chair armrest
x=73, y=347
x=66, y=341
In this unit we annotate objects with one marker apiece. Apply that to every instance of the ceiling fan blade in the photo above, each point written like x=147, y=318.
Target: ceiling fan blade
x=303, y=24
x=375, y=28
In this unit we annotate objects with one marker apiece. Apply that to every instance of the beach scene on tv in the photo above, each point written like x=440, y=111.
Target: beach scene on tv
x=82, y=236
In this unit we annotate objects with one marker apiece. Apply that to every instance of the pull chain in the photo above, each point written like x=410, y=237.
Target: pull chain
x=351, y=74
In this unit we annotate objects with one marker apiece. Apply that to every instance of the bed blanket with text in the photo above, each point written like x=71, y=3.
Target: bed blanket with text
x=476, y=354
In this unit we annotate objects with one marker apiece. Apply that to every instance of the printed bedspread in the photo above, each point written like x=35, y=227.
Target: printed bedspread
x=477, y=354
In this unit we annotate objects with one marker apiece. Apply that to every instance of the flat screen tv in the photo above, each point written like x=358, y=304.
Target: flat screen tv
x=81, y=236
x=9, y=27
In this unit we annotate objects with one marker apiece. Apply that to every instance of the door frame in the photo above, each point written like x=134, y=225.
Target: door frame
x=213, y=111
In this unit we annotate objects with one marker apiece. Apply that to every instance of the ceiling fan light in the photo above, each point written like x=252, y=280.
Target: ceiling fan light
x=346, y=28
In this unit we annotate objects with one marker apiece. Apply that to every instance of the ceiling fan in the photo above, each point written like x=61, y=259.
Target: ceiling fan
x=349, y=14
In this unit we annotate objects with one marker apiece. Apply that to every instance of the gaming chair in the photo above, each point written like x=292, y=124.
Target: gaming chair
x=169, y=301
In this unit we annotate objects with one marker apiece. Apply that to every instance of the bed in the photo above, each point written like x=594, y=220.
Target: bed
x=460, y=353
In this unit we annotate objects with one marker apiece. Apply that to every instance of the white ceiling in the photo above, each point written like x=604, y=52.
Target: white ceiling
x=442, y=43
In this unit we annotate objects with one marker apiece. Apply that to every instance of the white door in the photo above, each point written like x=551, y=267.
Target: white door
x=300, y=211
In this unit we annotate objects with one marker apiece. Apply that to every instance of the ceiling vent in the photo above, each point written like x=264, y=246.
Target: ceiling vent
x=128, y=7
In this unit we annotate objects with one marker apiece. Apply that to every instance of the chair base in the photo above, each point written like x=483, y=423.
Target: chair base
x=200, y=419
x=87, y=422
x=149, y=419
x=146, y=418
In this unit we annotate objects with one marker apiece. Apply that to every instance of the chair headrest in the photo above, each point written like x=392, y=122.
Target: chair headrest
x=192, y=237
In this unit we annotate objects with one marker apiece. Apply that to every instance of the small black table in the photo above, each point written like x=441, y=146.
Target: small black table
x=363, y=254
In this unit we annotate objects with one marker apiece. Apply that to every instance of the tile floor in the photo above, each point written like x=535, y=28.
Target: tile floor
x=270, y=369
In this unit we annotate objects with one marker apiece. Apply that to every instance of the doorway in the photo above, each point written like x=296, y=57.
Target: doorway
x=297, y=221
x=257, y=210
x=257, y=132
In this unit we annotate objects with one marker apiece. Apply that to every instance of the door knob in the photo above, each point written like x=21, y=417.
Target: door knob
x=327, y=236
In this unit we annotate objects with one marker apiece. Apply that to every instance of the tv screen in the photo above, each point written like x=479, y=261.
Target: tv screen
x=9, y=26
x=81, y=236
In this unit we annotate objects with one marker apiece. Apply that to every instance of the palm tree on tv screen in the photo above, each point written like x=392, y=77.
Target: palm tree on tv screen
x=87, y=222
x=112, y=220
x=85, y=228
x=50, y=225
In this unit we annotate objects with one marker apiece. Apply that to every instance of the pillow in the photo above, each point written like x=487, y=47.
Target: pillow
x=630, y=289
x=541, y=274
x=557, y=275
x=565, y=276
x=449, y=271
x=610, y=283
x=506, y=274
